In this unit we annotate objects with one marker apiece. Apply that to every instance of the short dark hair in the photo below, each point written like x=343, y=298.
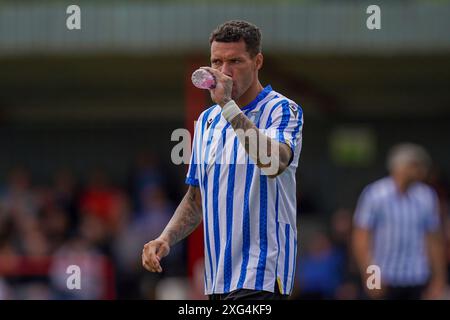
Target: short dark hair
x=234, y=31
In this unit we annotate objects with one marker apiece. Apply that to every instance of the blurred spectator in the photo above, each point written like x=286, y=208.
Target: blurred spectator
x=397, y=228
x=5, y=290
x=145, y=175
x=436, y=180
x=34, y=243
x=440, y=184
x=95, y=233
x=24, y=254
x=54, y=222
x=17, y=198
x=320, y=269
x=79, y=252
x=104, y=201
x=155, y=213
x=89, y=250
x=8, y=252
x=66, y=194
x=341, y=232
x=447, y=252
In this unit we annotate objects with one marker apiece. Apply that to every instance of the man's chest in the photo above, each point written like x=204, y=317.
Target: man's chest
x=402, y=211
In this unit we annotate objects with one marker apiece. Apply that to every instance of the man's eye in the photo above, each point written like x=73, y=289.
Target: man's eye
x=235, y=61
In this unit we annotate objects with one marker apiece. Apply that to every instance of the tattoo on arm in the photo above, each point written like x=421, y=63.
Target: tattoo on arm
x=241, y=122
x=186, y=218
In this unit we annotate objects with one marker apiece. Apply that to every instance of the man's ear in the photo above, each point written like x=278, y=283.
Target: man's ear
x=259, y=59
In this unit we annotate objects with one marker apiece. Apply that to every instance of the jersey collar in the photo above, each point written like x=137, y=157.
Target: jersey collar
x=258, y=98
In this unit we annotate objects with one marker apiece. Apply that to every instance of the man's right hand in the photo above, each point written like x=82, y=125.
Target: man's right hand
x=152, y=254
x=221, y=94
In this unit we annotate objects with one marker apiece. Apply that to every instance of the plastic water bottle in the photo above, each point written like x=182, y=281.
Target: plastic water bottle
x=203, y=79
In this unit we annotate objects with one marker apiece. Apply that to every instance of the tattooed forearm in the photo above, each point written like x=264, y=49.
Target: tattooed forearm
x=186, y=218
x=241, y=124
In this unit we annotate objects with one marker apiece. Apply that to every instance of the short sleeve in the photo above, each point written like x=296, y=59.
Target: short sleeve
x=365, y=213
x=285, y=124
x=432, y=222
x=192, y=177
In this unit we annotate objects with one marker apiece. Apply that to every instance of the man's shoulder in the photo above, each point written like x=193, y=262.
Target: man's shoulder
x=208, y=111
x=425, y=191
x=379, y=188
x=278, y=101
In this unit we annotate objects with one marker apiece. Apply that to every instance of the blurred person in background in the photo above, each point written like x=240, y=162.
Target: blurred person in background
x=8, y=254
x=396, y=227
x=146, y=173
x=23, y=248
x=107, y=202
x=55, y=225
x=439, y=182
x=66, y=193
x=79, y=251
x=154, y=214
x=17, y=198
x=90, y=249
x=31, y=282
x=341, y=236
x=341, y=232
x=5, y=290
x=320, y=269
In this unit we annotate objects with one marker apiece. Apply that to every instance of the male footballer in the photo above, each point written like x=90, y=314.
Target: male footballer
x=246, y=198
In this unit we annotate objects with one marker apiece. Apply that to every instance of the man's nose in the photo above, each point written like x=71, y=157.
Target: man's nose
x=226, y=69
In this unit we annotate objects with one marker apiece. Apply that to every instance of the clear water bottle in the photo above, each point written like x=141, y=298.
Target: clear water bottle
x=203, y=79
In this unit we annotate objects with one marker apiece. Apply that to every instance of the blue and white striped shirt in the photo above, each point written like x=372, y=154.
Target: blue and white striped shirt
x=399, y=223
x=249, y=219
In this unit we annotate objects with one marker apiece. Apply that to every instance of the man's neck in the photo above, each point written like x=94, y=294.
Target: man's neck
x=250, y=94
x=401, y=183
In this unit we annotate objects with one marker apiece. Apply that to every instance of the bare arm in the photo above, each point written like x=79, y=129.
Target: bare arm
x=242, y=124
x=362, y=245
x=435, y=250
x=362, y=249
x=269, y=155
x=186, y=218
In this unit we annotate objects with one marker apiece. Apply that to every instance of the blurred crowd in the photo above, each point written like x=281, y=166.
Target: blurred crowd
x=89, y=222
x=101, y=226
